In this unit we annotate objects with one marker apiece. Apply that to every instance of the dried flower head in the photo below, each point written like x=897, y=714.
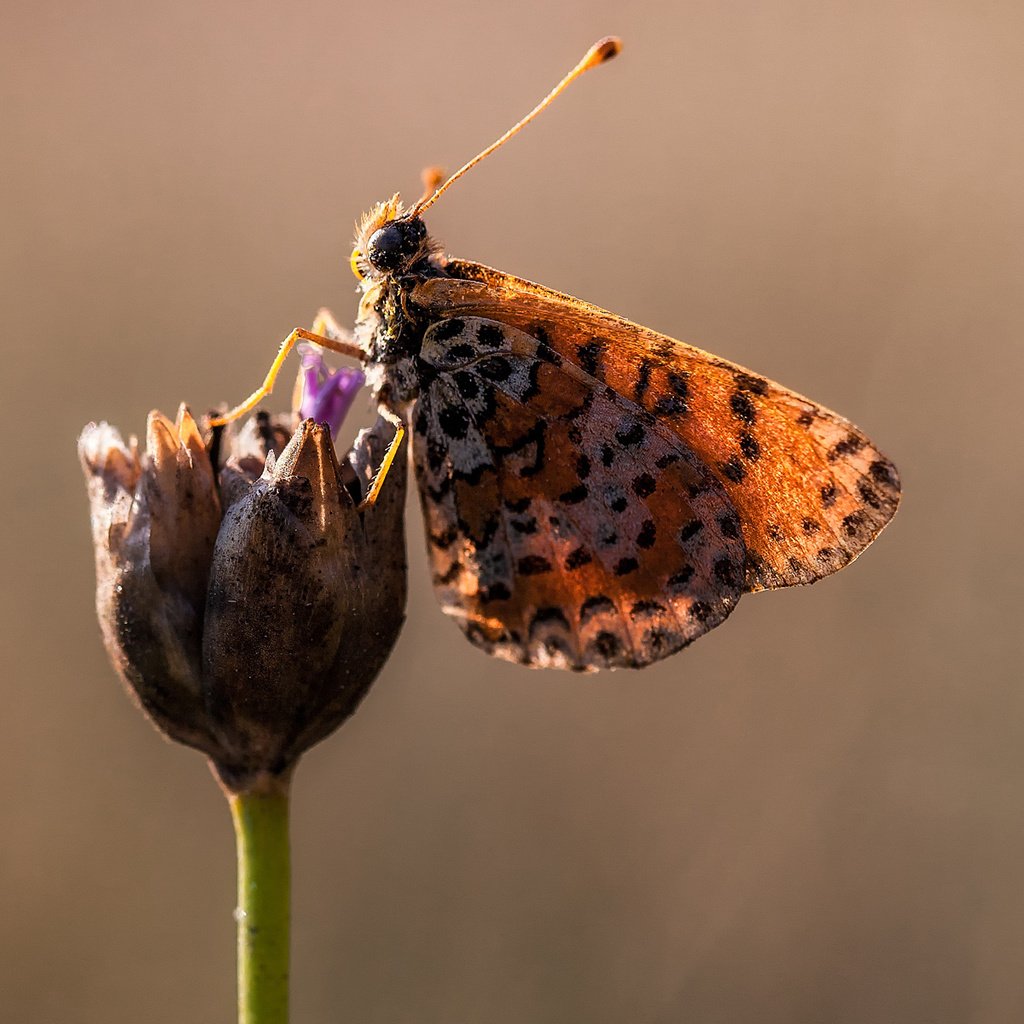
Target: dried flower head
x=249, y=607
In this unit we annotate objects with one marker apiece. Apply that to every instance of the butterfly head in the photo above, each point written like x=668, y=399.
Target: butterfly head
x=389, y=241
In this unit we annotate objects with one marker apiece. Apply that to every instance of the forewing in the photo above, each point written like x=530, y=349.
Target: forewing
x=566, y=526
x=810, y=489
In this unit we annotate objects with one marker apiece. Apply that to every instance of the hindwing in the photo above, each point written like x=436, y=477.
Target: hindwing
x=566, y=525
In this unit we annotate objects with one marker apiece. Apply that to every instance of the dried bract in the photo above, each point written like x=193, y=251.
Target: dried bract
x=154, y=520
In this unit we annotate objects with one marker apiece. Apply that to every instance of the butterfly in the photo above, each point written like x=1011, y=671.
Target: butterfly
x=595, y=494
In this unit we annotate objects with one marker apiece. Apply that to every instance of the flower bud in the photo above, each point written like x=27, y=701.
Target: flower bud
x=247, y=611
x=302, y=610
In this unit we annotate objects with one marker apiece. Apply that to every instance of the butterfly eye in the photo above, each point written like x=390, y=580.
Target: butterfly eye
x=354, y=261
x=392, y=247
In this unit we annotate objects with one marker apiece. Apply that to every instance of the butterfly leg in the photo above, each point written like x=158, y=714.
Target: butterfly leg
x=346, y=348
x=389, y=457
x=326, y=324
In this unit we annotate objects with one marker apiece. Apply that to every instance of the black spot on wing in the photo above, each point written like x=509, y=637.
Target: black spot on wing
x=690, y=530
x=595, y=605
x=589, y=355
x=730, y=526
x=646, y=607
x=533, y=565
x=749, y=446
x=575, y=495
x=544, y=616
x=680, y=385
x=644, y=485
x=495, y=592
x=726, y=571
x=850, y=445
x=743, y=408
x=658, y=642
x=577, y=558
x=853, y=523
x=643, y=381
x=630, y=434
x=448, y=329
x=468, y=385
x=461, y=353
x=748, y=382
x=884, y=472
x=673, y=403
x=490, y=336
x=669, y=405
x=453, y=421
x=732, y=470
x=678, y=582
x=496, y=368
x=615, y=499
x=869, y=496
x=532, y=388
x=648, y=534
x=607, y=644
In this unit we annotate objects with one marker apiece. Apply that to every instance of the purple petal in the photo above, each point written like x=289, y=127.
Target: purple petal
x=327, y=394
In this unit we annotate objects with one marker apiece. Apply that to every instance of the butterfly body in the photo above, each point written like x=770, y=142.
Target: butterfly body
x=596, y=494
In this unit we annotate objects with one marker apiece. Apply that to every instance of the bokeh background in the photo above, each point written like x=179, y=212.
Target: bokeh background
x=815, y=813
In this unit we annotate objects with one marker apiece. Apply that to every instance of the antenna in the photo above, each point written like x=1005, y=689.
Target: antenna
x=598, y=54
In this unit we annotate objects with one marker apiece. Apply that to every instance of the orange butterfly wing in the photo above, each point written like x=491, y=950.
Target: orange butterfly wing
x=566, y=527
x=810, y=489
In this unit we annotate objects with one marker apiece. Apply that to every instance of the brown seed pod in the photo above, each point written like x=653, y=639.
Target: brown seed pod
x=247, y=611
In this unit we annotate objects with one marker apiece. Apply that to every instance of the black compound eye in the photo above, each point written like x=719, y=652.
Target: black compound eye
x=393, y=246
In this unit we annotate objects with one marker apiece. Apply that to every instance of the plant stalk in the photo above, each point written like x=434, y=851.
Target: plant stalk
x=264, y=903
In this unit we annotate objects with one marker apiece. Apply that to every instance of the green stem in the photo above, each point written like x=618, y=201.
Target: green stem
x=264, y=897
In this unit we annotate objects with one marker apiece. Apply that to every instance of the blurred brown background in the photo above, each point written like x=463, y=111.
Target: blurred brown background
x=815, y=813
